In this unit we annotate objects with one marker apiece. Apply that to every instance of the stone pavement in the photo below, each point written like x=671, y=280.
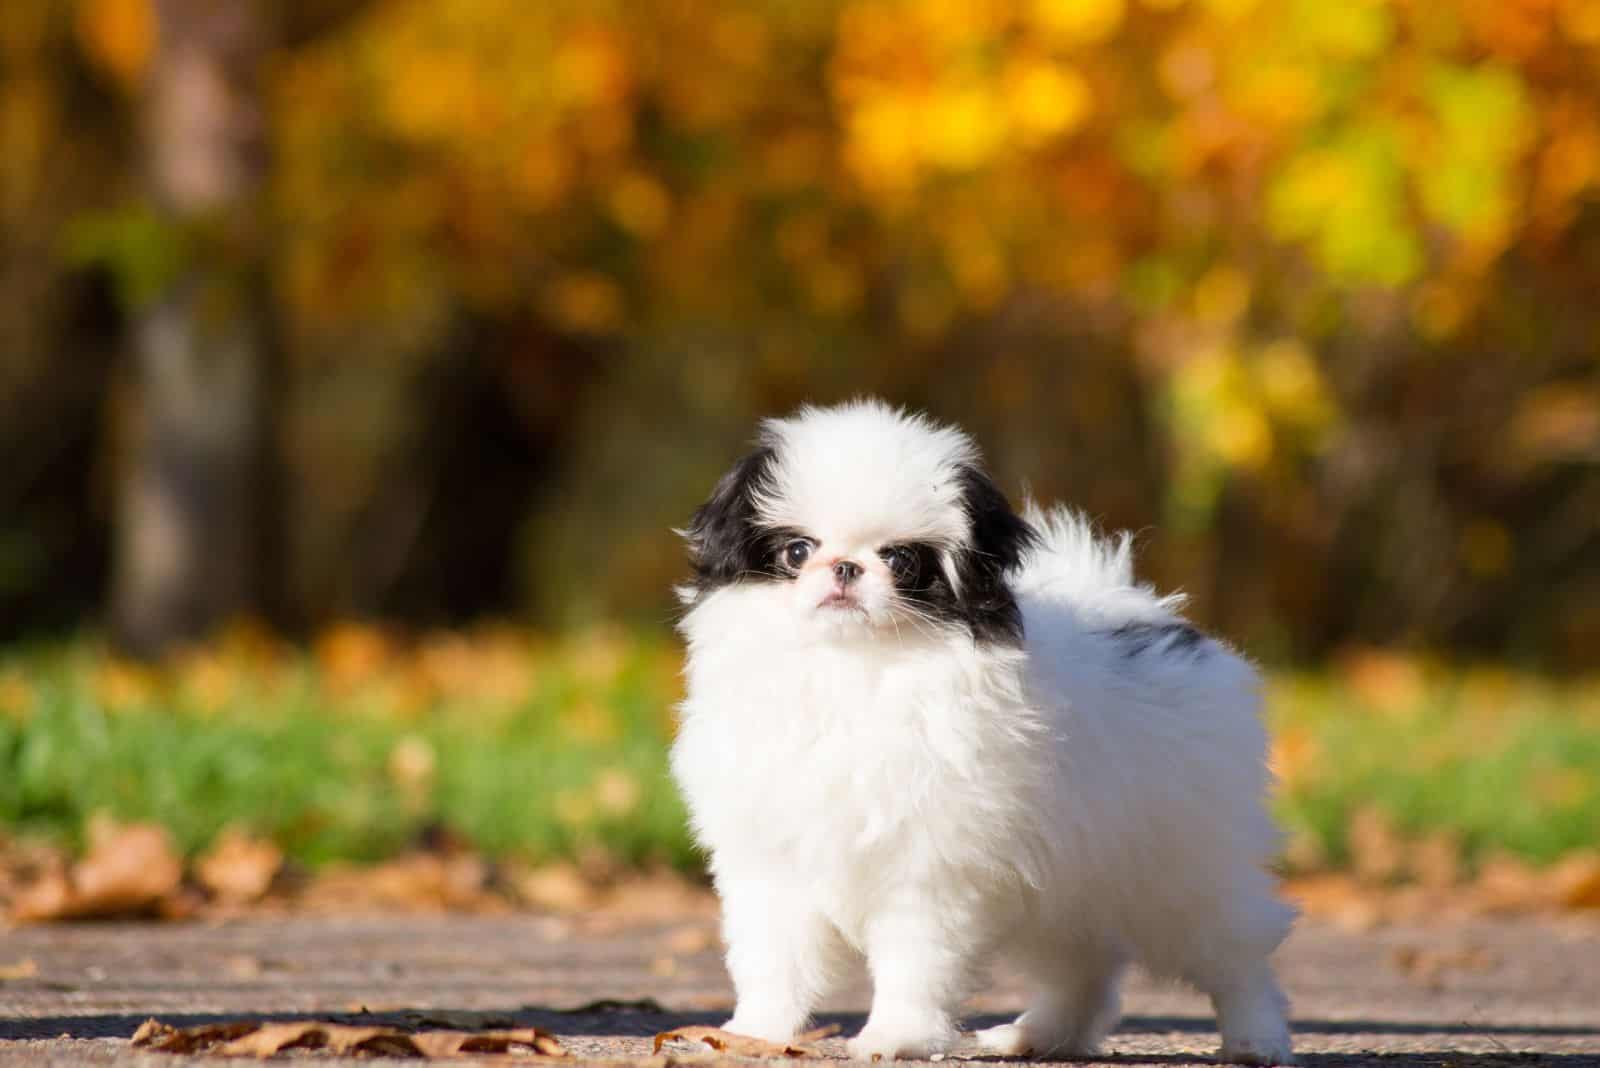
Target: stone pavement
x=1466, y=994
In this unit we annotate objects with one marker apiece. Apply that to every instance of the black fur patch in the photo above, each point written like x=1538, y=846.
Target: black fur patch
x=725, y=542
x=1136, y=638
x=982, y=599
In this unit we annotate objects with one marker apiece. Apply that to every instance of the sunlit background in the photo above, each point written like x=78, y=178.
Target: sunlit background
x=357, y=357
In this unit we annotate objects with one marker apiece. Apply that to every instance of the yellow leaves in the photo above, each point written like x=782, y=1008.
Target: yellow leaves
x=1078, y=22
x=1238, y=404
x=1253, y=409
x=1464, y=169
x=1221, y=295
x=639, y=204
x=435, y=94
x=1292, y=387
x=921, y=99
x=897, y=136
x=1046, y=100
x=961, y=127
x=882, y=146
x=1347, y=201
x=120, y=684
x=119, y=35
x=590, y=67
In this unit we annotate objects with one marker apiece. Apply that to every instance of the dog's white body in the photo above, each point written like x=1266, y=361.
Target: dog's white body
x=905, y=792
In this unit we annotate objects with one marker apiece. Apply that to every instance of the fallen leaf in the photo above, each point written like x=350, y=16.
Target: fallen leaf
x=558, y=888
x=744, y=1045
x=262, y=1039
x=130, y=869
x=153, y=1034
x=239, y=867
x=450, y=1043
x=413, y=882
x=1576, y=881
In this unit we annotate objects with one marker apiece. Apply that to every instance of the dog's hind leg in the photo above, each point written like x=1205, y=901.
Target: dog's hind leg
x=1075, y=1004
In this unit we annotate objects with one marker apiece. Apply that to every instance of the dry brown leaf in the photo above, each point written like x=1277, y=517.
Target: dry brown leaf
x=451, y=1043
x=744, y=1045
x=414, y=882
x=558, y=887
x=1576, y=881
x=239, y=867
x=153, y=1034
x=251, y=1038
x=130, y=869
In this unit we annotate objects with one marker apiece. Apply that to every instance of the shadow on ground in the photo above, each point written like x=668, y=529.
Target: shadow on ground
x=642, y=1019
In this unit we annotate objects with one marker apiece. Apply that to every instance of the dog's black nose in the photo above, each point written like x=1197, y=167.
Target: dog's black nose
x=846, y=571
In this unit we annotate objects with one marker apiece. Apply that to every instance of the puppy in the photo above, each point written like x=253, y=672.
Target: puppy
x=922, y=728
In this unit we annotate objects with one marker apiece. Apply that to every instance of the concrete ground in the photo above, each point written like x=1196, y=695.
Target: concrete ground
x=1466, y=994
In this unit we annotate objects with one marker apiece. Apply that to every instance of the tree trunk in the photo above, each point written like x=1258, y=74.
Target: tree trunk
x=197, y=537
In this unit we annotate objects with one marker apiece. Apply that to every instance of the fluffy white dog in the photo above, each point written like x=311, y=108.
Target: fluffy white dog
x=922, y=728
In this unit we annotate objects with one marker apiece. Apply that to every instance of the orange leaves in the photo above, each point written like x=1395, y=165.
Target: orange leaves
x=239, y=867
x=743, y=1045
x=131, y=869
x=119, y=35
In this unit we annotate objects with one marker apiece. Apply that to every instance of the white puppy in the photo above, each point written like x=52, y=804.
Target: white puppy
x=924, y=729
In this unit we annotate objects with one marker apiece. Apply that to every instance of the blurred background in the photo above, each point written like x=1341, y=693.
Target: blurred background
x=377, y=344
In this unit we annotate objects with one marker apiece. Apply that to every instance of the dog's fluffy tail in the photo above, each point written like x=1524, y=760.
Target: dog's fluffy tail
x=1074, y=565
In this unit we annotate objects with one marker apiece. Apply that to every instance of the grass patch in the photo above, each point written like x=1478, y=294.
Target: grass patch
x=547, y=749
x=1490, y=760
x=525, y=750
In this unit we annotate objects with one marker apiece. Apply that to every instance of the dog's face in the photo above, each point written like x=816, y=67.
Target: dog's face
x=861, y=520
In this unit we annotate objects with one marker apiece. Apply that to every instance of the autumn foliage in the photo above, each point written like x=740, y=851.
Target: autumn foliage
x=1307, y=287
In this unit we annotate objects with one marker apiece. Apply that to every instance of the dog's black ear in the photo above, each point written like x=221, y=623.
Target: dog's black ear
x=999, y=538
x=725, y=542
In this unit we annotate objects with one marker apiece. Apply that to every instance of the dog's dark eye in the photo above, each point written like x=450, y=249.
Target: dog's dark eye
x=901, y=560
x=797, y=552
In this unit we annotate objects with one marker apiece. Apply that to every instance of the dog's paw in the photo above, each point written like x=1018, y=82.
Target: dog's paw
x=1016, y=1040
x=888, y=1044
x=1262, y=1050
x=1007, y=1040
x=753, y=1026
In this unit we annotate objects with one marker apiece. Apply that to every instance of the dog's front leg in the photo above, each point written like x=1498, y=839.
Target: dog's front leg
x=783, y=955
x=922, y=968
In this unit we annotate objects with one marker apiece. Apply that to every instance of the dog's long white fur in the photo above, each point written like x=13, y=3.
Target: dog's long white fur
x=901, y=791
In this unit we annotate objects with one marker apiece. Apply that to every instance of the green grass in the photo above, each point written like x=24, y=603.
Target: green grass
x=352, y=778
x=1494, y=761
x=546, y=751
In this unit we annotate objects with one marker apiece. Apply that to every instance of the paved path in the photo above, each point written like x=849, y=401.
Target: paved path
x=1465, y=995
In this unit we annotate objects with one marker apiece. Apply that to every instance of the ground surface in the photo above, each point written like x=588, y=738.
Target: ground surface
x=1462, y=993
